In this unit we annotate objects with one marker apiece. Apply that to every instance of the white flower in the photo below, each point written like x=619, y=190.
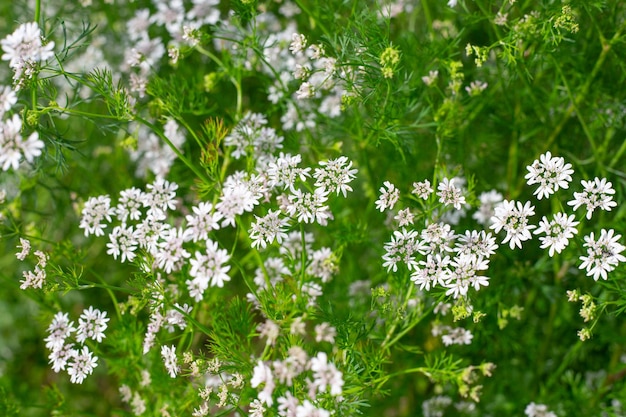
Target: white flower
x=91, y=325
x=323, y=264
x=422, y=189
x=129, y=204
x=538, y=410
x=324, y=332
x=326, y=375
x=96, y=210
x=456, y=336
x=161, y=196
x=389, y=196
x=437, y=238
x=512, y=216
x=13, y=147
x=479, y=244
x=432, y=271
x=285, y=171
x=168, y=353
x=306, y=90
x=307, y=409
x=558, y=232
x=25, y=249
x=24, y=48
x=208, y=268
x=488, y=201
x=262, y=374
x=402, y=247
x=8, y=98
x=603, y=255
x=268, y=228
x=430, y=78
x=309, y=207
x=335, y=175
x=269, y=330
x=596, y=193
x=404, y=217
x=298, y=43
x=450, y=194
x=170, y=254
x=122, y=242
x=60, y=328
x=82, y=364
x=59, y=357
x=551, y=173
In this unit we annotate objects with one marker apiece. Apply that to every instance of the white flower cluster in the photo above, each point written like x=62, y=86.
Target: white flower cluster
x=65, y=355
x=552, y=173
x=428, y=256
x=37, y=277
x=143, y=215
x=25, y=48
x=326, y=378
x=538, y=410
x=437, y=256
x=13, y=147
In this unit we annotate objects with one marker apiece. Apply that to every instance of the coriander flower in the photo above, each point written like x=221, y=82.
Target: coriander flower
x=96, y=211
x=83, y=364
x=512, y=217
x=268, y=228
x=168, y=353
x=309, y=207
x=603, y=255
x=262, y=374
x=388, y=196
x=335, y=175
x=558, y=232
x=60, y=328
x=422, y=189
x=326, y=375
x=431, y=272
x=123, y=241
x=24, y=48
x=449, y=194
x=24, y=247
x=91, y=325
x=551, y=173
x=402, y=248
x=538, y=410
x=13, y=147
x=488, y=201
x=596, y=194
x=298, y=43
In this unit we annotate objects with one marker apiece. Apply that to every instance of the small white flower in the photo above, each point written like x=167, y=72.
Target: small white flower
x=558, y=232
x=298, y=43
x=326, y=375
x=168, y=353
x=449, y=194
x=91, y=325
x=512, y=217
x=82, y=364
x=389, y=196
x=267, y=229
x=596, y=194
x=603, y=255
x=551, y=173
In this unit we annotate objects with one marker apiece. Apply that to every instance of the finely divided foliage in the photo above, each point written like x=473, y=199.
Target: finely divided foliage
x=301, y=208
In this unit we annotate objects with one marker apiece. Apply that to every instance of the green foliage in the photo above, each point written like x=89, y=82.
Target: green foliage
x=209, y=315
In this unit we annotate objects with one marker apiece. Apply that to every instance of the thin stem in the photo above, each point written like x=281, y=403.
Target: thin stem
x=178, y=153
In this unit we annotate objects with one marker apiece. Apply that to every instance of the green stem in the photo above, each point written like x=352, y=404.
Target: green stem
x=584, y=90
x=178, y=153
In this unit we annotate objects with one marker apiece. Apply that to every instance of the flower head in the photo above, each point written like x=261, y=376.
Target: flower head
x=551, y=173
